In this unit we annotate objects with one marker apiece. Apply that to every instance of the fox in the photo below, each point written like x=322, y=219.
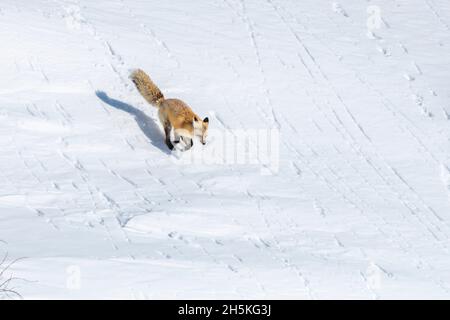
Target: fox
x=172, y=113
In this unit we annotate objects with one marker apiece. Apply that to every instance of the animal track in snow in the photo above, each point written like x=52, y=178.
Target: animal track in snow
x=417, y=68
x=74, y=19
x=384, y=51
x=339, y=9
x=371, y=35
x=419, y=100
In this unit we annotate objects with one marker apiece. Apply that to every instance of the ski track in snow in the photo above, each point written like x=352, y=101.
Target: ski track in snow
x=358, y=209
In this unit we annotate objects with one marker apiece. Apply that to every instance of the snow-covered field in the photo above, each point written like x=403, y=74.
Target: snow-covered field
x=354, y=202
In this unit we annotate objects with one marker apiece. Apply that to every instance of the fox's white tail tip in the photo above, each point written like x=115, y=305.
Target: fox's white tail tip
x=132, y=72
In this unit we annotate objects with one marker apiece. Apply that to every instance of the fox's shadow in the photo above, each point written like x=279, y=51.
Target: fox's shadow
x=147, y=124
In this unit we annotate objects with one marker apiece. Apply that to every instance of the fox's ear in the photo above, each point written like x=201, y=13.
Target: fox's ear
x=206, y=120
x=195, y=119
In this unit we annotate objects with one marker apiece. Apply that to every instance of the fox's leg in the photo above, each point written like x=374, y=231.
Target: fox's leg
x=177, y=137
x=184, y=135
x=167, y=128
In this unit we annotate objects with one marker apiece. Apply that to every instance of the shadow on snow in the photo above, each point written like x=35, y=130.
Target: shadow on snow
x=147, y=124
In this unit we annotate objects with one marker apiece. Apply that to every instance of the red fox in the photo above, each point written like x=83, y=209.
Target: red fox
x=173, y=113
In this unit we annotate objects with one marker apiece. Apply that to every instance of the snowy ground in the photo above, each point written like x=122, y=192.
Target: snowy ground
x=358, y=207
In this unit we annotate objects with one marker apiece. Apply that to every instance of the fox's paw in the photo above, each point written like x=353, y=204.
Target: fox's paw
x=188, y=144
x=169, y=144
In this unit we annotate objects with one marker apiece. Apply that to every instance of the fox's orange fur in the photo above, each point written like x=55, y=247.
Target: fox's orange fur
x=173, y=113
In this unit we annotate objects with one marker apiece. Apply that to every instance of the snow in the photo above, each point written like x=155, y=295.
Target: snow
x=351, y=199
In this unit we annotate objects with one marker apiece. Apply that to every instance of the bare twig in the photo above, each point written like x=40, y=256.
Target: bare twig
x=6, y=290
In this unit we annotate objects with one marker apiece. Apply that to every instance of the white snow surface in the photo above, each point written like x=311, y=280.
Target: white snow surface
x=96, y=207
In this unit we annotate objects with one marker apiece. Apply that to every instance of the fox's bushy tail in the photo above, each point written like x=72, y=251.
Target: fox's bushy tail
x=147, y=88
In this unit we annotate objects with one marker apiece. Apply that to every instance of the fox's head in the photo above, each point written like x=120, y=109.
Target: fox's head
x=201, y=129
